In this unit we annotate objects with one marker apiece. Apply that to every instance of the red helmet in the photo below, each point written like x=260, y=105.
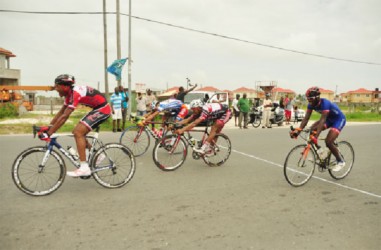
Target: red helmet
x=65, y=79
x=312, y=92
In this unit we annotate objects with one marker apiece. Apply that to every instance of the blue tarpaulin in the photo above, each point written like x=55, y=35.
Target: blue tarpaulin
x=116, y=68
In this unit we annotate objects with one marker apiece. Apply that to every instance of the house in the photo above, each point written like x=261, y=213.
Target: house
x=277, y=93
x=360, y=95
x=8, y=76
x=327, y=94
x=251, y=93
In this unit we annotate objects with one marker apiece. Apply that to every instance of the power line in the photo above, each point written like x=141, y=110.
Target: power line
x=194, y=30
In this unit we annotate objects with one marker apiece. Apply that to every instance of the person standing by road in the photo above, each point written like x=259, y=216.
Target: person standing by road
x=236, y=109
x=244, y=107
x=124, y=94
x=141, y=108
x=150, y=98
x=182, y=93
x=267, y=105
x=288, y=108
x=116, y=106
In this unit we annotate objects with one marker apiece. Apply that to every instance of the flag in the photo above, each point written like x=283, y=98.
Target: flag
x=116, y=68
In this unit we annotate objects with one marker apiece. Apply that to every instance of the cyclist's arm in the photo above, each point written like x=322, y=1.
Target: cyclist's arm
x=192, y=125
x=60, y=112
x=60, y=121
x=305, y=119
x=151, y=116
x=321, y=123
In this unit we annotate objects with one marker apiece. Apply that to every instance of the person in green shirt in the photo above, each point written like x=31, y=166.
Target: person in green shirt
x=244, y=107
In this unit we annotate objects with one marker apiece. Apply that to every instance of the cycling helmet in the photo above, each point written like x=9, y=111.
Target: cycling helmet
x=65, y=79
x=196, y=103
x=313, y=92
x=153, y=104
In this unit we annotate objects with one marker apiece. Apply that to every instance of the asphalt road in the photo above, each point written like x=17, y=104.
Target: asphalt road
x=244, y=204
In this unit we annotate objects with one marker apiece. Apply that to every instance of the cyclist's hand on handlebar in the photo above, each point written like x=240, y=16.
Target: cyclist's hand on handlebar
x=295, y=132
x=179, y=131
x=44, y=136
x=314, y=139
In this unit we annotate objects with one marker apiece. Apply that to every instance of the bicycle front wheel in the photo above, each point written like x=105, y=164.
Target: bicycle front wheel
x=169, y=153
x=135, y=138
x=34, y=179
x=348, y=155
x=299, y=165
x=113, y=165
x=220, y=151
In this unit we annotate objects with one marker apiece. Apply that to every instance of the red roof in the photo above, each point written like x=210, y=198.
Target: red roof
x=244, y=89
x=360, y=90
x=208, y=88
x=282, y=90
x=7, y=53
x=325, y=90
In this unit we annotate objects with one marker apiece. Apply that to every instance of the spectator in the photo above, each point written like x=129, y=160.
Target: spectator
x=236, y=109
x=282, y=102
x=116, y=107
x=267, y=105
x=124, y=93
x=244, y=107
x=182, y=93
x=220, y=98
x=288, y=108
x=206, y=98
x=150, y=98
x=141, y=108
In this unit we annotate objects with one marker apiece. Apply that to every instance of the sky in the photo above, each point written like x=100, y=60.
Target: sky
x=164, y=56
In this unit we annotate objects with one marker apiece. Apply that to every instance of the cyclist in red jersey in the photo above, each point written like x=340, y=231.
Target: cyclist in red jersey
x=75, y=95
x=217, y=113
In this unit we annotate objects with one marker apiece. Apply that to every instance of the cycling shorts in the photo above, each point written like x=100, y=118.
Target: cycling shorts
x=97, y=116
x=182, y=114
x=337, y=124
x=223, y=120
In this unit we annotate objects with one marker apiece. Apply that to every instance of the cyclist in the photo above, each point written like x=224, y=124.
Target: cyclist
x=331, y=117
x=218, y=113
x=168, y=106
x=74, y=95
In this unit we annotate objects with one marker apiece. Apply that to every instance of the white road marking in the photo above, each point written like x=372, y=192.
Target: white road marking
x=316, y=177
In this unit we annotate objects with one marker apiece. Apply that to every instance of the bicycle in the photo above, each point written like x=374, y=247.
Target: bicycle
x=301, y=161
x=41, y=170
x=170, y=152
x=255, y=117
x=137, y=137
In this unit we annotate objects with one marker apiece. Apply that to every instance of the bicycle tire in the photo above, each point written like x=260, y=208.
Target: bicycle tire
x=348, y=154
x=257, y=122
x=221, y=151
x=113, y=165
x=165, y=157
x=28, y=179
x=137, y=144
x=298, y=171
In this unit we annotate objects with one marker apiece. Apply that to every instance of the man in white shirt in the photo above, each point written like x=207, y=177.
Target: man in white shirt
x=267, y=105
x=236, y=109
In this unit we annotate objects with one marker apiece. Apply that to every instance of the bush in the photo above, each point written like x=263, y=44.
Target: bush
x=8, y=110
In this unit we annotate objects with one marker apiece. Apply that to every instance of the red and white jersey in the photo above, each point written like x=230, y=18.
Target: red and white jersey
x=213, y=111
x=85, y=95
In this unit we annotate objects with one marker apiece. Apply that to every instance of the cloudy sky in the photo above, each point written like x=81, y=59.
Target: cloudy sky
x=164, y=56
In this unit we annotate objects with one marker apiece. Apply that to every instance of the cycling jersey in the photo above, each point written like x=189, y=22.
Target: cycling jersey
x=85, y=95
x=173, y=105
x=91, y=98
x=214, y=111
x=335, y=119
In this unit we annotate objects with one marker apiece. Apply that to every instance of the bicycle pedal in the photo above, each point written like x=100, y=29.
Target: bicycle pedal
x=85, y=177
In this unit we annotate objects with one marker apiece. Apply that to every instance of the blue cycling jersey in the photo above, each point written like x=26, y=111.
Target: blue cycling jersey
x=170, y=105
x=335, y=119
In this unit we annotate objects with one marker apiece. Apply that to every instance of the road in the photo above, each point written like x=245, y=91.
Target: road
x=244, y=204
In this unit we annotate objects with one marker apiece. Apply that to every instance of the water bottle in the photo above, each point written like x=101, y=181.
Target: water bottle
x=73, y=152
x=323, y=152
x=193, y=141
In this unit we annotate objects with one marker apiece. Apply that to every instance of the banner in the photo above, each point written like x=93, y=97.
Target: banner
x=116, y=68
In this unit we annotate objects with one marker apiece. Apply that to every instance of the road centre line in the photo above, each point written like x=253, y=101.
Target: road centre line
x=316, y=177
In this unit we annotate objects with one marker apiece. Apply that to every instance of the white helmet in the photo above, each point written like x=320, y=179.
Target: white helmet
x=153, y=104
x=196, y=103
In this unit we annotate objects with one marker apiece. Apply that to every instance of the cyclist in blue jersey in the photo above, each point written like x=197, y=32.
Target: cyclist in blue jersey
x=331, y=117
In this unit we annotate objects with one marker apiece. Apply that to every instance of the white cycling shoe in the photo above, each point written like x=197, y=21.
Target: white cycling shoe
x=338, y=167
x=82, y=171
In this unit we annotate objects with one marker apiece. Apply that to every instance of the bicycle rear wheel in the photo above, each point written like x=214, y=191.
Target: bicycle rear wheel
x=135, y=138
x=33, y=179
x=113, y=165
x=257, y=122
x=299, y=165
x=220, y=151
x=169, y=154
x=348, y=155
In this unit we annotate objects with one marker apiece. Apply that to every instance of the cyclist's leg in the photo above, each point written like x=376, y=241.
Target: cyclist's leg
x=333, y=133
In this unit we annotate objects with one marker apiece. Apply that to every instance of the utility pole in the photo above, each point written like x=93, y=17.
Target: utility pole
x=105, y=47
x=118, y=51
x=129, y=57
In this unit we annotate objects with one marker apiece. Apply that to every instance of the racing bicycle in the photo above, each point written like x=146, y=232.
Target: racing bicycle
x=302, y=159
x=170, y=152
x=41, y=170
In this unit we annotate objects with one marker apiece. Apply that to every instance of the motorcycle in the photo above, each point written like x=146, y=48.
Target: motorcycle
x=255, y=115
x=277, y=115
